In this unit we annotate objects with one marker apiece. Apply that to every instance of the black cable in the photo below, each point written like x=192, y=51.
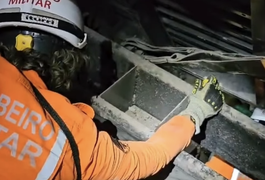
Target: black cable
x=43, y=102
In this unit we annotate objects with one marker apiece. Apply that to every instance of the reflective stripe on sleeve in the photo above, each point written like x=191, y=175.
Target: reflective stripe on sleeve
x=235, y=174
x=53, y=158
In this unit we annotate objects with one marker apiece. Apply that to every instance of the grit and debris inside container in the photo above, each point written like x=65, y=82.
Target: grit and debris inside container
x=143, y=96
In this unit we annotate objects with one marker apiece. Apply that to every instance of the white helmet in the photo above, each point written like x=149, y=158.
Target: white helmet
x=61, y=18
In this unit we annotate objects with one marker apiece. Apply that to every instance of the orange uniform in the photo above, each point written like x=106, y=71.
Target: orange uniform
x=32, y=146
x=225, y=169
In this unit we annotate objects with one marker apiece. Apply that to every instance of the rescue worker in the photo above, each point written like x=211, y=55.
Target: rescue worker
x=44, y=136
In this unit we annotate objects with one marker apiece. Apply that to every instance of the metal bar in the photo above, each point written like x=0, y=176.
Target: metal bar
x=258, y=26
x=151, y=23
x=203, y=33
x=258, y=36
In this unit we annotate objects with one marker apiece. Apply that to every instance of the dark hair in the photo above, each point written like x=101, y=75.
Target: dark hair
x=57, y=70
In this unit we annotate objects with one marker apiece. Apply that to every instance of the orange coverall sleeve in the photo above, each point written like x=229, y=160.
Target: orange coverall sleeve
x=144, y=158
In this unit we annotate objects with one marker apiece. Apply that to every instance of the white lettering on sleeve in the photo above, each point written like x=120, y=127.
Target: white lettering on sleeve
x=13, y=146
x=14, y=111
x=32, y=155
x=2, y=128
x=34, y=118
x=42, y=126
x=17, y=113
x=4, y=102
x=21, y=120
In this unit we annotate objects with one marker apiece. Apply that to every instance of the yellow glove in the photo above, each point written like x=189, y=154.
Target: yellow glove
x=206, y=101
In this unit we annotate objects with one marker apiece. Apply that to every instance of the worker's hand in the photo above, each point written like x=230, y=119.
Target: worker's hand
x=206, y=101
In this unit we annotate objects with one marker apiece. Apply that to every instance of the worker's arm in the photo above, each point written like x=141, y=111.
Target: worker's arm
x=141, y=159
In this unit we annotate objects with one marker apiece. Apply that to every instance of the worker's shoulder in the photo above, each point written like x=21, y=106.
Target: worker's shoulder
x=75, y=115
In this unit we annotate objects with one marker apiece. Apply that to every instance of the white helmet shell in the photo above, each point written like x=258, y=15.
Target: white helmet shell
x=61, y=18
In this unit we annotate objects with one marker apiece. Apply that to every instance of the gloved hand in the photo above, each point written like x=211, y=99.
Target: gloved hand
x=206, y=101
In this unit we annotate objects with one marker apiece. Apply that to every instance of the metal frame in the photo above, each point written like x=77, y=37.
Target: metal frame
x=258, y=38
x=151, y=23
x=231, y=135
